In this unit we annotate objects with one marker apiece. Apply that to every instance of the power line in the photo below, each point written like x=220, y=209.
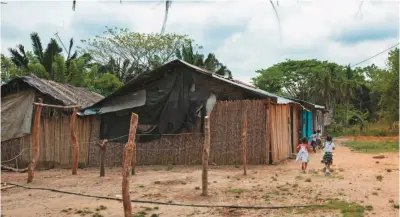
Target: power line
x=376, y=55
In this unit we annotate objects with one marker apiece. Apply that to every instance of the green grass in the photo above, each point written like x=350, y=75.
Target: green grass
x=236, y=190
x=373, y=147
x=347, y=209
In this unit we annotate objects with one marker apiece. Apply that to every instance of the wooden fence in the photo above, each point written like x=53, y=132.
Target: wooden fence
x=54, y=141
x=226, y=122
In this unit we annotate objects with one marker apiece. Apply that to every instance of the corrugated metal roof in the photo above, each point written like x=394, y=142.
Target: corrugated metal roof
x=65, y=93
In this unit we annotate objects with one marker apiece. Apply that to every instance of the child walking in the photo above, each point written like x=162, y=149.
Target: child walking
x=318, y=140
x=329, y=146
x=314, y=141
x=302, y=154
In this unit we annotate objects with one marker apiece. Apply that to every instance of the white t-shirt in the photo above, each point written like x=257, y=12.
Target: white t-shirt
x=319, y=136
x=314, y=137
x=328, y=146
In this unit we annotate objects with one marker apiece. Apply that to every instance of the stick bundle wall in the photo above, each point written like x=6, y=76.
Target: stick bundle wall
x=54, y=143
x=226, y=122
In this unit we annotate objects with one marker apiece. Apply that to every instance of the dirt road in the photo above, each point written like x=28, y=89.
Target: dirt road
x=354, y=180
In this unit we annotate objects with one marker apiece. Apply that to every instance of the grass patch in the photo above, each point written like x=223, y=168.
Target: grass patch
x=373, y=147
x=396, y=206
x=369, y=208
x=379, y=178
x=347, y=209
x=101, y=207
x=97, y=215
x=236, y=190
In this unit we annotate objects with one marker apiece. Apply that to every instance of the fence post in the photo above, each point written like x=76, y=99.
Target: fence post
x=126, y=163
x=75, y=145
x=206, y=153
x=133, y=163
x=103, y=148
x=244, y=137
x=36, y=129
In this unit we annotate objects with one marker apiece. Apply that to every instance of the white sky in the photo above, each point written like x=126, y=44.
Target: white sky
x=243, y=34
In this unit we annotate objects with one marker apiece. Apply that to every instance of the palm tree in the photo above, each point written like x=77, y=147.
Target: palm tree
x=18, y=56
x=69, y=56
x=211, y=63
x=45, y=57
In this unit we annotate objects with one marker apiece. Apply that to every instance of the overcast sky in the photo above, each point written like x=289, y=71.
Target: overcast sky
x=244, y=34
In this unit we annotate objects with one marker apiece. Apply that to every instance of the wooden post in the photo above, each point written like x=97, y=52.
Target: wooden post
x=244, y=137
x=268, y=129
x=36, y=129
x=127, y=162
x=206, y=153
x=75, y=145
x=103, y=147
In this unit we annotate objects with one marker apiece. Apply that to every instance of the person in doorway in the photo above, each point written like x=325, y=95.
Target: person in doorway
x=318, y=139
x=302, y=154
x=314, y=141
x=329, y=146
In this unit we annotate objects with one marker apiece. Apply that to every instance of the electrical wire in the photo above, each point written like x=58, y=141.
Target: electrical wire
x=164, y=203
x=376, y=55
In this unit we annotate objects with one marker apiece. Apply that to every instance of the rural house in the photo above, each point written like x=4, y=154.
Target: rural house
x=173, y=100
x=17, y=97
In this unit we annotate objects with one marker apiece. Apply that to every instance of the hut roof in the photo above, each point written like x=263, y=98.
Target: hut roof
x=65, y=93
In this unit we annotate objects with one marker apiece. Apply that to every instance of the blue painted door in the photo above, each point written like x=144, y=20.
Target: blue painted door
x=304, y=124
x=309, y=124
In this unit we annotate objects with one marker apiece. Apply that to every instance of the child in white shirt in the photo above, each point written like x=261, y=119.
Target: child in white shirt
x=329, y=146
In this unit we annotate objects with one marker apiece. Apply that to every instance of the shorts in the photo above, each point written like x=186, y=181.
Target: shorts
x=313, y=144
x=328, y=158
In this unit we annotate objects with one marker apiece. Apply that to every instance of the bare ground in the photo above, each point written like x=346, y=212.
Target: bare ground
x=354, y=180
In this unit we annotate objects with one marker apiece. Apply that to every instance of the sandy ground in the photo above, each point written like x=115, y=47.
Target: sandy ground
x=354, y=180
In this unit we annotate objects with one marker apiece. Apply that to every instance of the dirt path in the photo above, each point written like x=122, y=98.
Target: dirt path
x=354, y=180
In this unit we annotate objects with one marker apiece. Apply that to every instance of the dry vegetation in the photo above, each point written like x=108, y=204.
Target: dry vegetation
x=358, y=187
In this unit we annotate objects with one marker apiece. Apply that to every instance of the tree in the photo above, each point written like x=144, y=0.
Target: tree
x=45, y=57
x=387, y=83
x=18, y=56
x=144, y=51
x=211, y=63
x=9, y=70
x=310, y=80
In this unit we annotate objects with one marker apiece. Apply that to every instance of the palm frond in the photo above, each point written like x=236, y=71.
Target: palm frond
x=167, y=6
x=73, y=5
x=277, y=17
x=37, y=46
x=71, y=44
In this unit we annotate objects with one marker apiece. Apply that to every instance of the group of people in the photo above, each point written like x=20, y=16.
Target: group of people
x=328, y=147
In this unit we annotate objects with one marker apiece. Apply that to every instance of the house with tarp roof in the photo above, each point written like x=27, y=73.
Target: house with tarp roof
x=172, y=101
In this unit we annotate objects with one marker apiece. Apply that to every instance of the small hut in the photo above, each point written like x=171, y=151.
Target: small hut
x=17, y=97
